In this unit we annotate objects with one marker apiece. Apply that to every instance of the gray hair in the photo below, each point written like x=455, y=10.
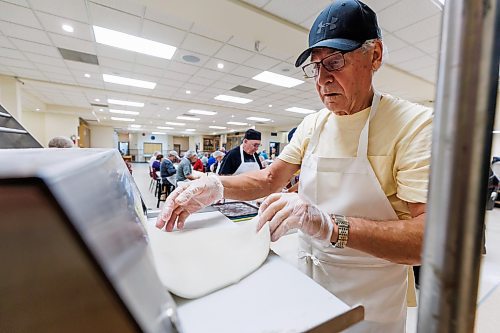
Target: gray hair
x=189, y=154
x=60, y=142
x=217, y=153
x=369, y=43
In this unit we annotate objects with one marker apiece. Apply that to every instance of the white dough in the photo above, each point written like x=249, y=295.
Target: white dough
x=194, y=262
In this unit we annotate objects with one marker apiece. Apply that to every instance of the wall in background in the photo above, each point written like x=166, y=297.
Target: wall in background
x=34, y=122
x=57, y=124
x=102, y=137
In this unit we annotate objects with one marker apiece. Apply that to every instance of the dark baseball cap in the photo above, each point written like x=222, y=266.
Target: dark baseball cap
x=344, y=25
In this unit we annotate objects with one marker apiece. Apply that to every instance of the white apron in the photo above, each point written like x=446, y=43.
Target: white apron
x=246, y=166
x=349, y=186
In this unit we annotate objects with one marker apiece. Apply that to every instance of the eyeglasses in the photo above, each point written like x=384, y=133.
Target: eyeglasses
x=333, y=62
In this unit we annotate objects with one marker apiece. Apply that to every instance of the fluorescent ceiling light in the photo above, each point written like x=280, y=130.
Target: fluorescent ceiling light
x=128, y=82
x=190, y=130
x=258, y=119
x=187, y=118
x=67, y=28
x=128, y=103
x=239, y=100
x=217, y=127
x=175, y=124
x=164, y=127
x=203, y=112
x=496, y=132
x=300, y=110
x=122, y=119
x=236, y=123
x=277, y=79
x=135, y=126
x=133, y=43
x=158, y=133
x=134, y=113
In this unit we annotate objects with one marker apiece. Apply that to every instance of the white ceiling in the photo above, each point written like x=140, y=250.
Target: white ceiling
x=214, y=31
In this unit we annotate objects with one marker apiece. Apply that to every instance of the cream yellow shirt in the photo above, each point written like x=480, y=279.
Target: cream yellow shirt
x=399, y=146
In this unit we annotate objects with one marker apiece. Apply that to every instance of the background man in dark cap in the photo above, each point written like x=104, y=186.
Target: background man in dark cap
x=243, y=158
x=364, y=163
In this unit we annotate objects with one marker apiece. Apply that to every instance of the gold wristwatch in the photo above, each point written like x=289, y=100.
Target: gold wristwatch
x=343, y=230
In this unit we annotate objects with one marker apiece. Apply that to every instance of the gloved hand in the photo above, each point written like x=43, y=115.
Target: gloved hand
x=287, y=211
x=187, y=199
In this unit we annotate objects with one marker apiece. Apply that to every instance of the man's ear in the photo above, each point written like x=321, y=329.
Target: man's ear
x=377, y=55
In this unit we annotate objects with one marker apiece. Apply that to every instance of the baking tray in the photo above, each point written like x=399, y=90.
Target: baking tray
x=237, y=210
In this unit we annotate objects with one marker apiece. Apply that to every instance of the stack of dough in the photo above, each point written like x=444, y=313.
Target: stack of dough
x=211, y=253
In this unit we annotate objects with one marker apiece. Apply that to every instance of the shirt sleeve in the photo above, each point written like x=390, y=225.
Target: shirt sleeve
x=186, y=169
x=413, y=164
x=230, y=163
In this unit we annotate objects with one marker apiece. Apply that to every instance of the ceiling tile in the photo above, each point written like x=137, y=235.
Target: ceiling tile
x=182, y=68
x=16, y=62
x=17, y=14
x=170, y=76
x=73, y=9
x=72, y=43
x=257, y=3
x=60, y=78
x=261, y=62
x=4, y=42
x=246, y=72
x=234, y=54
x=18, y=2
x=419, y=63
x=213, y=62
x=54, y=24
x=37, y=48
x=25, y=33
x=233, y=79
x=53, y=69
x=113, y=19
x=210, y=74
x=41, y=59
x=115, y=53
x=218, y=35
x=81, y=66
x=115, y=64
x=404, y=54
x=272, y=52
x=147, y=70
x=11, y=53
x=300, y=11
x=160, y=16
x=430, y=46
x=405, y=13
x=147, y=60
x=201, y=81
x=127, y=6
x=162, y=33
x=393, y=43
x=201, y=44
x=425, y=29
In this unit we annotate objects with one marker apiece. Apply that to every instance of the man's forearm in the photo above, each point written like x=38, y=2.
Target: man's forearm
x=396, y=241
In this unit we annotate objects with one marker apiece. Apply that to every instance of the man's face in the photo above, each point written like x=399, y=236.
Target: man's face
x=172, y=158
x=251, y=146
x=348, y=89
x=193, y=158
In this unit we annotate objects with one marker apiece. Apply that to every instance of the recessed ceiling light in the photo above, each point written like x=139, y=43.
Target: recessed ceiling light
x=67, y=28
x=173, y=123
x=227, y=98
x=133, y=43
x=220, y=65
x=190, y=130
x=97, y=99
x=214, y=133
x=232, y=116
x=217, y=127
x=188, y=92
x=299, y=110
x=134, y=113
x=258, y=119
x=101, y=110
x=122, y=119
x=158, y=133
x=237, y=123
x=203, y=112
x=187, y=118
x=135, y=126
x=165, y=127
x=37, y=109
x=128, y=82
x=168, y=108
x=270, y=105
x=277, y=79
x=128, y=103
x=232, y=130
x=87, y=75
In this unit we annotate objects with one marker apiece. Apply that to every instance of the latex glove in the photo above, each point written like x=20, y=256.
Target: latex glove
x=287, y=211
x=187, y=199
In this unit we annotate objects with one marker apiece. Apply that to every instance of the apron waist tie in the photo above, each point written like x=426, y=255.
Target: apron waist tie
x=316, y=262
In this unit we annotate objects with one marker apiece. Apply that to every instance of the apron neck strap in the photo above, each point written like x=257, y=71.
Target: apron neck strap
x=243, y=157
x=363, y=138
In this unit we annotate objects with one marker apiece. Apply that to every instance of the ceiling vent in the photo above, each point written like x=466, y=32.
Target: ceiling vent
x=243, y=89
x=72, y=55
x=99, y=105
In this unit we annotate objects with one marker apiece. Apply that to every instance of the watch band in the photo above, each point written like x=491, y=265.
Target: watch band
x=343, y=230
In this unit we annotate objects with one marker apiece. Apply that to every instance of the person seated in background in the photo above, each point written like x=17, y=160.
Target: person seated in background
x=153, y=158
x=60, y=142
x=167, y=170
x=157, y=163
x=211, y=161
x=264, y=155
x=263, y=162
x=243, y=158
x=218, y=156
x=185, y=170
x=198, y=165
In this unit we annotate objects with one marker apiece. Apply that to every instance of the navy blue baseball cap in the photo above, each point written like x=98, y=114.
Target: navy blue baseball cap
x=344, y=25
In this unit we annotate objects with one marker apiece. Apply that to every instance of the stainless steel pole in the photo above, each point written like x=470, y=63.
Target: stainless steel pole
x=464, y=115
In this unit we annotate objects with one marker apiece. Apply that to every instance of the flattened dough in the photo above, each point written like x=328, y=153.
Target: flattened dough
x=195, y=262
